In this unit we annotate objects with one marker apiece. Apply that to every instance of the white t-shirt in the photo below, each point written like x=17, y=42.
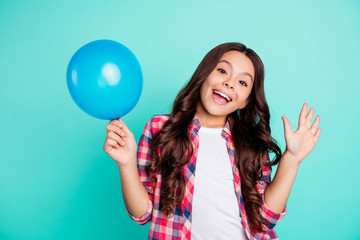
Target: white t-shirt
x=215, y=210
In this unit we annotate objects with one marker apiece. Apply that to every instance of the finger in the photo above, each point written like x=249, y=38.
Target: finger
x=309, y=117
x=317, y=135
x=111, y=143
x=315, y=124
x=116, y=129
x=114, y=122
x=111, y=127
x=117, y=138
x=302, y=118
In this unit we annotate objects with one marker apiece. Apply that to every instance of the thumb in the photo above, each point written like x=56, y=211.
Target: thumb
x=124, y=127
x=287, y=127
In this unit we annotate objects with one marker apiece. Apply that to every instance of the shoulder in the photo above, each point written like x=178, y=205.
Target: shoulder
x=156, y=122
x=159, y=118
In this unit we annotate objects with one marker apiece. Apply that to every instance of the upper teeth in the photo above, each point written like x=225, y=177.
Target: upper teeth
x=223, y=95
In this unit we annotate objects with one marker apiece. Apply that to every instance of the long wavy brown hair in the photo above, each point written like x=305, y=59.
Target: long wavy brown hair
x=250, y=132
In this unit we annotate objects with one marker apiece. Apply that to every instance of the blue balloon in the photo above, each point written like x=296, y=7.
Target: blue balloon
x=104, y=79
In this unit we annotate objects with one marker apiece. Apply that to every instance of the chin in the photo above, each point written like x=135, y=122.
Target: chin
x=217, y=113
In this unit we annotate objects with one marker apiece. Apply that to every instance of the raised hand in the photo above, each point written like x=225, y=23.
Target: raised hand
x=300, y=143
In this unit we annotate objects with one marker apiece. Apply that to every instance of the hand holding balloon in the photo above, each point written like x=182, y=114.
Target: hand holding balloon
x=104, y=79
x=120, y=143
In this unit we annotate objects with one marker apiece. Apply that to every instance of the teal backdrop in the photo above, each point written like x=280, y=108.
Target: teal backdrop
x=56, y=182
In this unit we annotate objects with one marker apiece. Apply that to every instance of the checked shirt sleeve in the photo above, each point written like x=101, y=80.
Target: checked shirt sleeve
x=143, y=159
x=271, y=218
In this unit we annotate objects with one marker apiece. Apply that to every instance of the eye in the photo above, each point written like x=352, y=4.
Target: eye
x=243, y=82
x=221, y=70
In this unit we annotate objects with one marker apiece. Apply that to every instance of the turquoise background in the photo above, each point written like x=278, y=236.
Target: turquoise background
x=56, y=182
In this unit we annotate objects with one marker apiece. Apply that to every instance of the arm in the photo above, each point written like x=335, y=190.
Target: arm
x=298, y=145
x=137, y=201
x=270, y=217
x=277, y=193
x=137, y=194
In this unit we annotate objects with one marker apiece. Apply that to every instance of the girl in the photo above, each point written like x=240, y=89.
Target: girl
x=203, y=171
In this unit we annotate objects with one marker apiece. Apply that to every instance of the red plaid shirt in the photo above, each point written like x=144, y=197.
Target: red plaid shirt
x=179, y=225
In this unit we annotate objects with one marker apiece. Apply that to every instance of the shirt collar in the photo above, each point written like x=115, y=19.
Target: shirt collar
x=195, y=127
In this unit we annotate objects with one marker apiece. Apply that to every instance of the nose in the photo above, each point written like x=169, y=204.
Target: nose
x=228, y=84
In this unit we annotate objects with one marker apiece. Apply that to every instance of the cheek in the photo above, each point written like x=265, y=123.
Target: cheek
x=212, y=79
x=204, y=90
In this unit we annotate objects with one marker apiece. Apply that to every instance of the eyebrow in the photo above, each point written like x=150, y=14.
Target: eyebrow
x=246, y=73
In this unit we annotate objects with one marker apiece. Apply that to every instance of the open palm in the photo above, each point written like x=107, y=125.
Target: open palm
x=301, y=142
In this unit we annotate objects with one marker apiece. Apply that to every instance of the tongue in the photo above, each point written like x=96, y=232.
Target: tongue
x=219, y=98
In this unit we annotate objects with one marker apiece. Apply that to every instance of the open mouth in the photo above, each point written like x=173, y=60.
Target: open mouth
x=221, y=97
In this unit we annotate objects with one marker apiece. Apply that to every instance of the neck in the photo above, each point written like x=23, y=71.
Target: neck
x=213, y=122
x=212, y=125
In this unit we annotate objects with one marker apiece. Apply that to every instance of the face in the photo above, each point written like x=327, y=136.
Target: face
x=226, y=89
